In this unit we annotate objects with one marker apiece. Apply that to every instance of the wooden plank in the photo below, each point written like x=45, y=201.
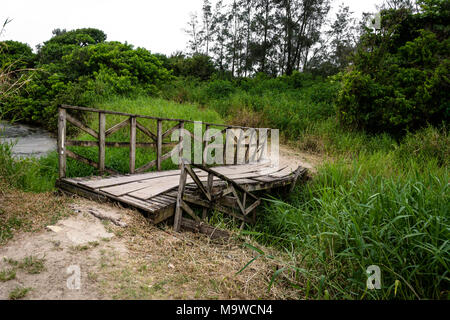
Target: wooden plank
x=116, y=127
x=114, y=144
x=189, y=211
x=101, y=142
x=65, y=106
x=180, y=142
x=153, y=163
x=282, y=173
x=87, y=161
x=300, y=172
x=61, y=143
x=148, y=189
x=159, y=139
x=89, y=194
x=201, y=227
x=162, y=214
x=169, y=132
x=215, y=206
x=178, y=209
x=146, y=131
x=204, y=147
x=123, y=179
x=81, y=125
x=132, y=144
x=197, y=181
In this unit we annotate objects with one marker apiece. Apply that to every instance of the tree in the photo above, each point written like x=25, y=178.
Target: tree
x=399, y=78
x=16, y=62
x=195, y=34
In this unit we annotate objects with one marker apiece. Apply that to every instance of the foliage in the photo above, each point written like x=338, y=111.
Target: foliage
x=380, y=207
x=78, y=67
x=289, y=103
x=16, y=60
x=399, y=80
x=199, y=66
x=270, y=36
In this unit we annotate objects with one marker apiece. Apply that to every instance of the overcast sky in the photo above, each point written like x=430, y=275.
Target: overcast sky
x=155, y=25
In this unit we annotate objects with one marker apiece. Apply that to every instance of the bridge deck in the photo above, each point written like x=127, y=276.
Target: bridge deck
x=155, y=193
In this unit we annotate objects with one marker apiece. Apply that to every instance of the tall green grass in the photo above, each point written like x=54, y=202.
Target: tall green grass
x=35, y=175
x=291, y=104
x=387, y=205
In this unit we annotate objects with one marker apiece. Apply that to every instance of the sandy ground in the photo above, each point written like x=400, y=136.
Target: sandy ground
x=121, y=256
x=75, y=241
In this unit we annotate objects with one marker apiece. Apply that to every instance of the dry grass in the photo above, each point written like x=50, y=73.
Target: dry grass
x=248, y=118
x=159, y=263
x=27, y=211
x=163, y=264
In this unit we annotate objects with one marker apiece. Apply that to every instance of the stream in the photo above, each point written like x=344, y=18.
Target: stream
x=28, y=141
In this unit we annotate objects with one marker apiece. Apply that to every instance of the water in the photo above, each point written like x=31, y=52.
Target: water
x=29, y=141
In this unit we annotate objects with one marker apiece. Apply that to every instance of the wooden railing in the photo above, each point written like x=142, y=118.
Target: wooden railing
x=158, y=139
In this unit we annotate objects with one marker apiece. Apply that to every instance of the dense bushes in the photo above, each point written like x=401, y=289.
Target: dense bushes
x=399, y=80
x=290, y=103
x=79, y=67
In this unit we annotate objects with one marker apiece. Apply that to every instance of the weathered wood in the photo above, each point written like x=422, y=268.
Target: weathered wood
x=204, y=153
x=189, y=211
x=146, y=190
x=81, y=125
x=227, y=189
x=178, y=208
x=180, y=142
x=209, y=186
x=300, y=172
x=159, y=139
x=146, y=131
x=163, y=206
x=62, y=142
x=118, y=144
x=201, y=227
x=197, y=181
x=101, y=142
x=65, y=106
x=116, y=127
x=153, y=163
x=169, y=132
x=216, y=206
x=132, y=144
x=87, y=161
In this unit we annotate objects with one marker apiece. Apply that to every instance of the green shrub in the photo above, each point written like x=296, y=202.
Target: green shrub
x=79, y=68
x=399, y=80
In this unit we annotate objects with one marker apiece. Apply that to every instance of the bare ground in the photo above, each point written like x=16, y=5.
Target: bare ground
x=122, y=256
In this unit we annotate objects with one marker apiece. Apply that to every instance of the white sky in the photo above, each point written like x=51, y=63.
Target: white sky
x=155, y=25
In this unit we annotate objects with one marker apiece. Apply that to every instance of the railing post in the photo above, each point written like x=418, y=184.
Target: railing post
x=132, y=144
x=61, y=142
x=204, y=145
x=101, y=142
x=158, y=144
x=180, y=142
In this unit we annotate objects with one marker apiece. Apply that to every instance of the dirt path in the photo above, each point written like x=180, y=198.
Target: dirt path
x=124, y=257
x=293, y=158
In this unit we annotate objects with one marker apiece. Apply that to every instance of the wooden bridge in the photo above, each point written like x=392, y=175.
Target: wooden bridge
x=230, y=188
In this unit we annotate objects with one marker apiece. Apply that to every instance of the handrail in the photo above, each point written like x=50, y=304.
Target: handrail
x=157, y=138
x=65, y=106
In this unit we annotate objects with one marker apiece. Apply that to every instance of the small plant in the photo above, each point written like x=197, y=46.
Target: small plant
x=6, y=275
x=30, y=264
x=18, y=293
